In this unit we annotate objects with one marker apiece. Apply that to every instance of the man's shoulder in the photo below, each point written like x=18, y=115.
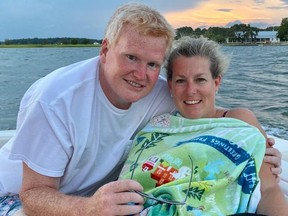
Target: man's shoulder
x=161, y=84
x=160, y=96
x=62, y=81
x=87, y=63
x=162, y=79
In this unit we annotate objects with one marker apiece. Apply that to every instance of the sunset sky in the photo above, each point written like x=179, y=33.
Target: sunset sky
x=88, y=18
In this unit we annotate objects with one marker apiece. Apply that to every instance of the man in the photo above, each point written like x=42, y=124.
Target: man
x=75, y=125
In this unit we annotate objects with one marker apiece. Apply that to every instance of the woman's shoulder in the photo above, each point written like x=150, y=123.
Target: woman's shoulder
x=240, y=113
x=245, y=115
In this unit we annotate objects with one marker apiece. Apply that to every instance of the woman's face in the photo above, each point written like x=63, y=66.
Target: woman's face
x=192, y=87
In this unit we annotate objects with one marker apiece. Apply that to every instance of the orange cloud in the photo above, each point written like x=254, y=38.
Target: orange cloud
x=220, y=13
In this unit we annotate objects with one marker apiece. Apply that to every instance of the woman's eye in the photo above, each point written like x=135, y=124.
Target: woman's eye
x=180, y=81
x=201, y=80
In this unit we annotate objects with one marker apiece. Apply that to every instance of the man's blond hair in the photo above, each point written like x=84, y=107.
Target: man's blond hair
x=144, y=19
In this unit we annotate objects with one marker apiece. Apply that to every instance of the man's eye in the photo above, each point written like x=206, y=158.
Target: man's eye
x=153, y=65
x=131, y=57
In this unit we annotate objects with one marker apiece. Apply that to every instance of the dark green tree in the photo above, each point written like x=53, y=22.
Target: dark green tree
x=74, y=41
x=271, y=28
x=7, y=42
x=217, y=34
x=184, y=31
x=198, y=32
x=250, y=33
x=85, y=41
x=283, y=30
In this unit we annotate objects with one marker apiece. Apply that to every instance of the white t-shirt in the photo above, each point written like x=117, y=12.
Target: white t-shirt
x=67, y=128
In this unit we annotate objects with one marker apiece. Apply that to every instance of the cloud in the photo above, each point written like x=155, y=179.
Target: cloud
x=65, y=18
x=88, y=18
x=228, y=25
x=224, y=10
x=259, y=1
x=261, y=25
x=168, y=6
x=284, y=1
x=284, y=7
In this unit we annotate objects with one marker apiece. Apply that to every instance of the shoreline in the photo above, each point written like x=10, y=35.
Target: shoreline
x=256, y=44
x=48, y=45
x=99, y=45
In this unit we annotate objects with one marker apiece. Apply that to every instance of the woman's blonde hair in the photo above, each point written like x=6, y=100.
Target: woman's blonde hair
x=189, y=47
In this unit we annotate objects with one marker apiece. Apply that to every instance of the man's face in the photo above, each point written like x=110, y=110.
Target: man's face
x=130, y=67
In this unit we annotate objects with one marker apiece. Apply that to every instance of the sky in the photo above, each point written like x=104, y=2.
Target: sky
x=88, y=18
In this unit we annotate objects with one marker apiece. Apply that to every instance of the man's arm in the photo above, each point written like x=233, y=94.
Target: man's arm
x=273, y=156
x=272, y=199
x=40, y=196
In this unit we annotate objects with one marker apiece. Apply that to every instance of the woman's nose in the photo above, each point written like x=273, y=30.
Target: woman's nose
x=191, y=89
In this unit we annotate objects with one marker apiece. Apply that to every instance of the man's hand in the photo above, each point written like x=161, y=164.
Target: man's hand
x=40, y=195
x=117, y=198
x=273, y=156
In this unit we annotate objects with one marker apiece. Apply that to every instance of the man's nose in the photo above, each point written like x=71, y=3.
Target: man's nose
x=141, y=71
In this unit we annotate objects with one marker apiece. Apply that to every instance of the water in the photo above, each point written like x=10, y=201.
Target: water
x=20, y=67
x=257, y=79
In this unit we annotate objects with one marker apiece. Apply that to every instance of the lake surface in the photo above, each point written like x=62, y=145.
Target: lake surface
x=257, y=79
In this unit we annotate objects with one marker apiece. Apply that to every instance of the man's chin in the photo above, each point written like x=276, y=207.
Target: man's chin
x=134, y=99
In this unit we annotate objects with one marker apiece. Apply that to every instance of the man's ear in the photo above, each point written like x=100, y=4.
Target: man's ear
x=104, y=50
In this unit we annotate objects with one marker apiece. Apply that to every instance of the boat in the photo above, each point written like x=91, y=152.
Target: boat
x=280, y=144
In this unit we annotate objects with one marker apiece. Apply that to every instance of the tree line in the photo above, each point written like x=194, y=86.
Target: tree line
x=236, y=33
x=59, y=41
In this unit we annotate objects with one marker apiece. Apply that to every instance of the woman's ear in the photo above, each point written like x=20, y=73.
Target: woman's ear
x=169, y=83
x=218, y=82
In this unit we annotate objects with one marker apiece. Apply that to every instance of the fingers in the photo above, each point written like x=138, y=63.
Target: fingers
x=128, y=209
x=273, y=152
x=270, y=141
x=128, y=197
x=273, y=156
x=276, y=170
x=126, y=185
x=118, y=198
x=275, y=161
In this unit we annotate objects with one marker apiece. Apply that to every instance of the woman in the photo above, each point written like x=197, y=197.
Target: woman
x=202, y=160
